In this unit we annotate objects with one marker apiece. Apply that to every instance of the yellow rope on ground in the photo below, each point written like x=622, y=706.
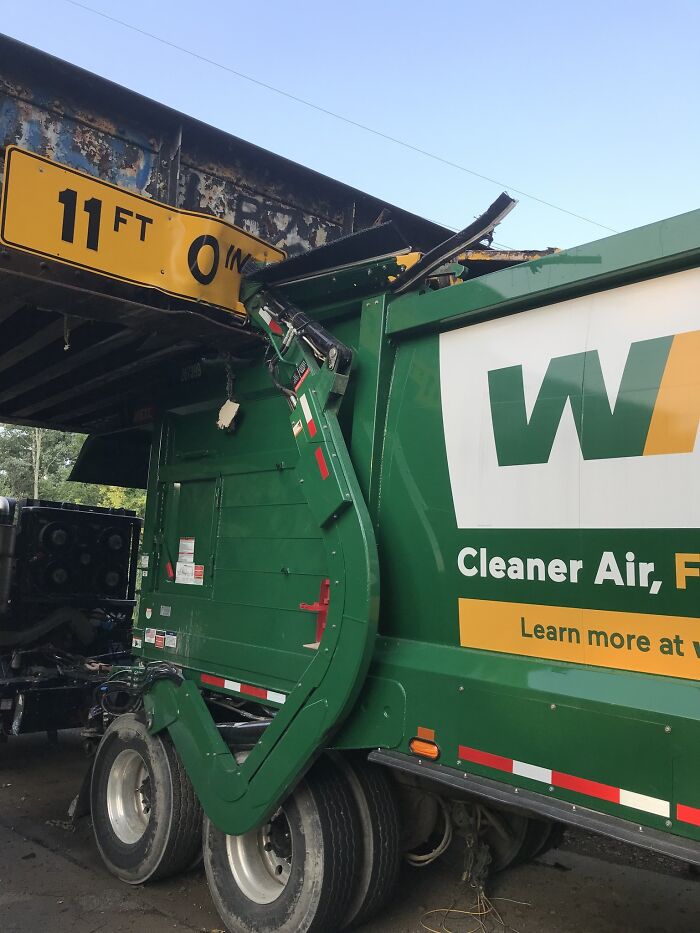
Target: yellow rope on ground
x=482, y=908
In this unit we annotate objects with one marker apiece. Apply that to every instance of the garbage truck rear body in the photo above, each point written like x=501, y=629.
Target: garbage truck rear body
x=473, y=555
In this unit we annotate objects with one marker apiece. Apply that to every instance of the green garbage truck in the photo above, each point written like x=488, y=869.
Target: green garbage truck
x=422, y=559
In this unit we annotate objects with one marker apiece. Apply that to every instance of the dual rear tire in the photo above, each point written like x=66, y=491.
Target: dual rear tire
x=326, y=860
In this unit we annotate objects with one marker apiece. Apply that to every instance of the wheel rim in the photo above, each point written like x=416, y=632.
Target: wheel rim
x=261, y=860
x=129, y=796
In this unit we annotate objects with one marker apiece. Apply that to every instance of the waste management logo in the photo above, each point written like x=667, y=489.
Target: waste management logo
x=579, y=420
x=582, y=414
x=656, y=412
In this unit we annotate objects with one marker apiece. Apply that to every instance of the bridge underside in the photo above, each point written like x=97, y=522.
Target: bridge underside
x=82, y=353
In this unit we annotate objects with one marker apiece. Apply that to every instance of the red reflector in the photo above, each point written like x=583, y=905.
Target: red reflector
x=322, y=465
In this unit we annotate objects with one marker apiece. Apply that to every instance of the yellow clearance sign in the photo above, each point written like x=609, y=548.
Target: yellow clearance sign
x=630, y=641
x=65, y=215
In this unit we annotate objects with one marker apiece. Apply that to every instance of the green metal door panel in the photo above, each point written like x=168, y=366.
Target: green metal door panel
x=189, y=516
x=271, y=488
x=272, y=555
x=280, y=589
x=289, y=520
x=195, y=433
x=238, y=646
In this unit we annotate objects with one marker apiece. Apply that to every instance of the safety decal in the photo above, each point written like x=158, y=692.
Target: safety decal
x=297, y=428
x=136, y=642
x=189, y=574
x=150, y=636
x=149, y=612
x=270, y=321
x=300, y=374
x=308, y=417
x=618, y=795
x=258, y=693
x=160, y=639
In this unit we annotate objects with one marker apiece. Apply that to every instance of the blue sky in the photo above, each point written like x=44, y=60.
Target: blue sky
x=593, y=106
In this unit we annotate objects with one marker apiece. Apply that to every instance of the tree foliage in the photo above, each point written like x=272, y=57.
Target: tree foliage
x=37, y=461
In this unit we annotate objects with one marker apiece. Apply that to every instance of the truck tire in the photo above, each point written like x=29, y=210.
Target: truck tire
x=295, y=873
x=380, y=854
x=536, y=836
x=505, y=834
x=541, y=836
x=145, y=814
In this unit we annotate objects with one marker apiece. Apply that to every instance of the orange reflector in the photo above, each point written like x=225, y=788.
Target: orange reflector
x=424, y=748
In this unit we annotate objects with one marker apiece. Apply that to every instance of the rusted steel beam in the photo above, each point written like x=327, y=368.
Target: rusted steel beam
x=52, y=332
x=71, y=362
x=48, y=403
x=88, y=123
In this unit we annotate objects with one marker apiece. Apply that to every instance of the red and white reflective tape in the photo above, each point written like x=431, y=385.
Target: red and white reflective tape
x=270, y=321
x=259, y=693
x=626, y=798
x=322, y=465
x=308, y=417
x=688, y=814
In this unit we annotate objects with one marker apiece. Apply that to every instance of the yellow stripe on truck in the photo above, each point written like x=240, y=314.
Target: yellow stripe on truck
x=631, y=641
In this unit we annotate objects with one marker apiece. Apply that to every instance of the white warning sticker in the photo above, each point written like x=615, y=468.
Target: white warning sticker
x=144, y=561
x=189, y=574
x=150, y=636
x=136, y=642
x=185, y=554
x=171, y=639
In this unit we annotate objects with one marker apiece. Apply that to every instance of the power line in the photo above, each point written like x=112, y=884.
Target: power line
x=337, y=116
